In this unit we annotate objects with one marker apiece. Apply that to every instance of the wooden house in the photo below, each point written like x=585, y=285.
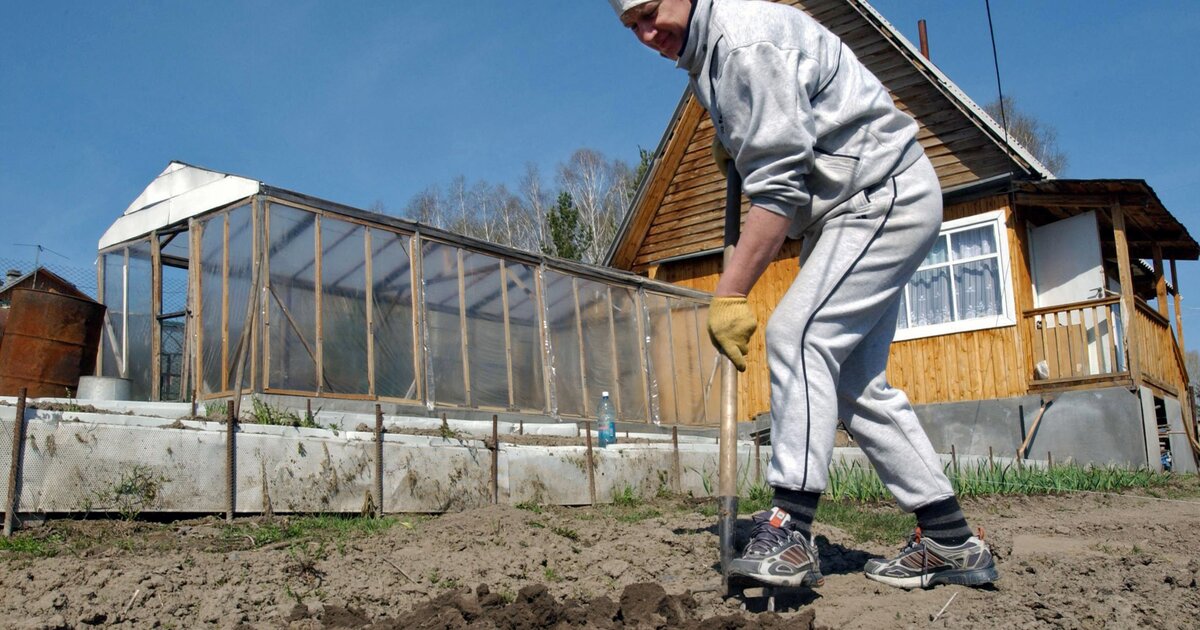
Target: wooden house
x=1037, y=303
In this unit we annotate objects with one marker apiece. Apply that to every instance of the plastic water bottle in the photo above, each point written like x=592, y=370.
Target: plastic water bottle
x=606, y=423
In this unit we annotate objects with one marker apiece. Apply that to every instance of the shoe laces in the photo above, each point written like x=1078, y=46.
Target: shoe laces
x=764, y=536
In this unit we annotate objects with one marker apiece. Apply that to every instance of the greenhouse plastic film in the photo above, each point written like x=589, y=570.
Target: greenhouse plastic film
x=443, y=321
x=393, y=306
x=292, y=305
x=344, y=334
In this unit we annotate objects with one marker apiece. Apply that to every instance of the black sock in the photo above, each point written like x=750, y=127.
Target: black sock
x=800, y=505
x=943, y=522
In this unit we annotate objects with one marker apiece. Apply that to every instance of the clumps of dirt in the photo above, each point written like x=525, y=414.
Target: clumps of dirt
x=642, y=605
x=65, y=407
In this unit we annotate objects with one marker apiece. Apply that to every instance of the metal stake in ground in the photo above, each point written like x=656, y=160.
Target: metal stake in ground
x=378, y=461
x=727, y=500
x=495, y=459
x=14, y=470
x=230, y=461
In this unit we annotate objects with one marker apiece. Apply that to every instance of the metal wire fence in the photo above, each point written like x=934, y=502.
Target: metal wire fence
x=84, y=278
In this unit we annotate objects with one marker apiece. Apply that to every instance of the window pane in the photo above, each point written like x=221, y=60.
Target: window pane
x=594, y=311
x=487, y=356
x=902, y=316
x=930, y=294
x=662, y=359
x=114, y=296
x=977, y=287
x=292, y=314
x=391, y=274
x=212, y=266
x=343, y=307
x=979, y=241
x=241, y=277
x=938, y=254
x=564, y=343
x=443, y=322
x=629, y=355
x=525, y=331
x=140, y=318
x=689, y=382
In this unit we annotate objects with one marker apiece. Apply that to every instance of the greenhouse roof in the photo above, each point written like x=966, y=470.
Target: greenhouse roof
x=179, y=192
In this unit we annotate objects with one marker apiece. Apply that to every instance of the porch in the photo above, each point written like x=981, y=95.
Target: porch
x=1130, y=334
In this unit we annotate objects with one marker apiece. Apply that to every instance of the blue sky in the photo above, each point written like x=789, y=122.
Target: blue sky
x=374, y=101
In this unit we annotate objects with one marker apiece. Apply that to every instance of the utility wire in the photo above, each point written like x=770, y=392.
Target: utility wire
x=996, y=62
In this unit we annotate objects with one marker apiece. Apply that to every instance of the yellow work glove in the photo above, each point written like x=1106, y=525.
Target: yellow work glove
x=720, y=156
x=731, y=323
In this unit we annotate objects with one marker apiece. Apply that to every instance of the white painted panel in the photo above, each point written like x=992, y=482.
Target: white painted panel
x=1066, y=261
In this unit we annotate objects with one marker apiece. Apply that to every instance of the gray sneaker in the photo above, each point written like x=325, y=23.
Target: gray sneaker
x=778, y=554
x=924, y=563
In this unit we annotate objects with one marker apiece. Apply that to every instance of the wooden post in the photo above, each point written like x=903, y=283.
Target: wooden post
x=508, y=349
x=308, y=417
x=463, y=328
x=1128, y=303
x=378, y=461
x=1160, y=280
x=591, y=464
x=230, y=462
x=676, y=473
x=582, y=345
x=1178, y=305
x=991, y=460
x=155, y=311
x=319, y=291
x=224, y=383
x=1049, y=460
x=521, y=427
x=954, y=459
x=14, y=468
x=495, y=459
x=370, y=303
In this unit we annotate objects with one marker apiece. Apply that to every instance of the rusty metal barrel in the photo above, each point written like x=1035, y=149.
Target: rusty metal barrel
x=49, y=341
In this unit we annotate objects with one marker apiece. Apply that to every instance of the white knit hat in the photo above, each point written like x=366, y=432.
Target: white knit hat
x=621, y=6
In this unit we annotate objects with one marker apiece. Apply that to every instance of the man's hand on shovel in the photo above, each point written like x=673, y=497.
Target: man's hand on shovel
x=731, y=323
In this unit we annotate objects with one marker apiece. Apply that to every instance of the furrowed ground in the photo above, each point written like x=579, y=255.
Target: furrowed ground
x=1077, y=560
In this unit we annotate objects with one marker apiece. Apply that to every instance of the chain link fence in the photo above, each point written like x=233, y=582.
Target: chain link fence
x=84, y=278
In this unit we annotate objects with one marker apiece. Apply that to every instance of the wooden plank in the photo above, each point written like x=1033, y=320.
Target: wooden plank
x=1160, y=280
x=1128, y=304
x=225, y=302
x=462, y=326
x=266, y=307
x=195, y=306
x=612, y=348
x=1178, y=305
x=368, y=259
x=155, y=311
x=508, y=346
x=318, y=262
x=582, y=353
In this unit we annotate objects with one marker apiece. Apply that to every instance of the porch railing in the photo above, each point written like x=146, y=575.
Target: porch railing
x=1077, y=342
x=1159, y=359
x=1084, y=342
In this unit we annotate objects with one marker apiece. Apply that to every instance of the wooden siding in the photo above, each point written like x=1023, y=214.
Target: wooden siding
x=964, y=366
x=754, y=385
x=974, y=365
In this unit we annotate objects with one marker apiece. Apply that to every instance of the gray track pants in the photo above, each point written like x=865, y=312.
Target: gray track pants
x=828, y=340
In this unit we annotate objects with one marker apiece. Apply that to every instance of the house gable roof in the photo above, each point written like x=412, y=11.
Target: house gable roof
x=678, y=209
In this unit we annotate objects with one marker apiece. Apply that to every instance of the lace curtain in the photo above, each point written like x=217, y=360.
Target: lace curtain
x=959, y=279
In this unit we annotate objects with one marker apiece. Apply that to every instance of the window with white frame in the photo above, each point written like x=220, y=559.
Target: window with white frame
x=963, y=284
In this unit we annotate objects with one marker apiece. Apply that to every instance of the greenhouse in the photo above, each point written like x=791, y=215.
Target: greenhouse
x=219, y=286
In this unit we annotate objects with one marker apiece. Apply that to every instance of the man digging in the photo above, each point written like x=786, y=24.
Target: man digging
x=825, y=156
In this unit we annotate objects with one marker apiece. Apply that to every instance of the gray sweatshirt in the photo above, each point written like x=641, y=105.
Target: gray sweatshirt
x=807, y=125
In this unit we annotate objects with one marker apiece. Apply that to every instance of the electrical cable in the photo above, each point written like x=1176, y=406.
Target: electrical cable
x=996, y=63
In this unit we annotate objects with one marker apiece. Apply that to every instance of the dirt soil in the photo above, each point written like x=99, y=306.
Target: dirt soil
x=1079, y=561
